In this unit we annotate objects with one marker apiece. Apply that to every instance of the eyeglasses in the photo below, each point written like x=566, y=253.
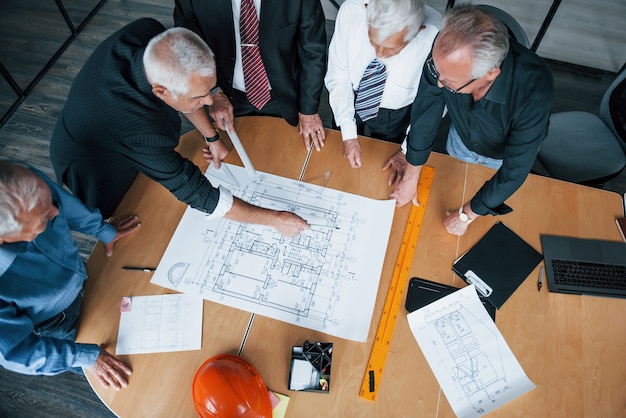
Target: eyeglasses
x=433, y=71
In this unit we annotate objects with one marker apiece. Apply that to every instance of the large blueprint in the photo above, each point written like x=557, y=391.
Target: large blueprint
x=324, y=279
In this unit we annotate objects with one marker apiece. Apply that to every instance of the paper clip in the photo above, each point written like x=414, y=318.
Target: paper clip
x=482, y=287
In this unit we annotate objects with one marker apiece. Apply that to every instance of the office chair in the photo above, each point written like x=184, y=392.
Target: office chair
x=515, y=29
x=584, y=148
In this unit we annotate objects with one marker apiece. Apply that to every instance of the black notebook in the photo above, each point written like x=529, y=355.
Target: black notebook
x=497, y=264
x=424, y=292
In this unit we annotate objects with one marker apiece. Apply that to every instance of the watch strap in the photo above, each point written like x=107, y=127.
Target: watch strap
x=464, y=217
x=212, y=138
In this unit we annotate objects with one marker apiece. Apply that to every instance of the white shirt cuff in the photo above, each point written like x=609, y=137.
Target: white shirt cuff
x=223, y=205
x=348, y=131
x=406, y=138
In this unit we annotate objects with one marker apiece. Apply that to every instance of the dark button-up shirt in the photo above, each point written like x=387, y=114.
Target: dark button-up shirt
x=38, y=280
x=508, y=123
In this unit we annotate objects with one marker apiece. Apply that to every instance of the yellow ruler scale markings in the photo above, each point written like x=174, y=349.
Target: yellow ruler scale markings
x=384, y=333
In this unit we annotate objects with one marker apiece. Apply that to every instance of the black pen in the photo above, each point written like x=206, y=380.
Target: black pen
x=146, y=269
x=326, y=226
x=540, y=281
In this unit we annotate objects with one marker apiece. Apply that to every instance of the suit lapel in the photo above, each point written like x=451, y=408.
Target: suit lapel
x=268, y=10
x=224, y=9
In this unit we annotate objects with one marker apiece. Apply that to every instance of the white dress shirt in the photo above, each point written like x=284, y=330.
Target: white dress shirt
x=224, y=204
x=350, y=52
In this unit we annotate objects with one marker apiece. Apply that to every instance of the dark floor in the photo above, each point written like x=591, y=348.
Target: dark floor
x=26, y=135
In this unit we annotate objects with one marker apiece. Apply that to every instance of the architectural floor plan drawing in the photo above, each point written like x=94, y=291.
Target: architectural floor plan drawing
x=324, y=279
x=471, y=360
x=160, y=323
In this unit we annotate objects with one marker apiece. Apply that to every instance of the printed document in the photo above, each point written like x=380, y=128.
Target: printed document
x=470, y=359
x=160, y=323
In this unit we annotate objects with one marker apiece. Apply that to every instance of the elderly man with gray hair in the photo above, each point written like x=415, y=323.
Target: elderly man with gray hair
x=375, y=64
x=498, y=95
x=42, y=276
x=121, y=118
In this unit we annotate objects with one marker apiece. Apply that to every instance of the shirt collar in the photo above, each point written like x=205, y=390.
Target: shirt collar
x=139, y=73
x=498, y=90
x=8, y=252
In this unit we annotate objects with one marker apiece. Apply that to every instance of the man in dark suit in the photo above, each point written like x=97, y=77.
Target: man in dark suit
x=292, y=45
x=121, y=118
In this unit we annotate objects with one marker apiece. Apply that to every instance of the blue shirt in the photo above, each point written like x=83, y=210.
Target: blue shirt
x=38, y=280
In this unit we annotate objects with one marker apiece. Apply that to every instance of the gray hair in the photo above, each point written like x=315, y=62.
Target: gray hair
x=488, y=38
x=173, y=56
x=20, y=191
x=389, y=17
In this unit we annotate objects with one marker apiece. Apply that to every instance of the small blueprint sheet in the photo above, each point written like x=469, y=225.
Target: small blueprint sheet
x=469, y=357
x=160, y=323
x=324, y=279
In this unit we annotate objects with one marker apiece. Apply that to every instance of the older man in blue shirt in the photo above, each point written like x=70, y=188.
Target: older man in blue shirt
x=42, y=276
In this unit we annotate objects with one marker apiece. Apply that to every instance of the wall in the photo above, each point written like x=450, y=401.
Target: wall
x=582, y=32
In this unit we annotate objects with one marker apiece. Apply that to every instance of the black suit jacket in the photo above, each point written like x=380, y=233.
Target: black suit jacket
x=293, y=47
x=112, y=127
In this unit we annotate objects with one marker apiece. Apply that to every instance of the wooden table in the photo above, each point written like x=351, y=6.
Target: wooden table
x=569, y=346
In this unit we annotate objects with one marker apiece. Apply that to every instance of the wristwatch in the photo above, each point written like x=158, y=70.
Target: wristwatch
x=464, y=217
x=212, y=138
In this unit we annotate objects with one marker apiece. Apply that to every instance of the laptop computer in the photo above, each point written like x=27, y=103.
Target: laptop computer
x=585, y=266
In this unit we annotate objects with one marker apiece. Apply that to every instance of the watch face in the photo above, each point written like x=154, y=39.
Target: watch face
x=463, y=216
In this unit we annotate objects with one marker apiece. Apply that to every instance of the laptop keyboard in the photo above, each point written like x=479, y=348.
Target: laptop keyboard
x=592, y=275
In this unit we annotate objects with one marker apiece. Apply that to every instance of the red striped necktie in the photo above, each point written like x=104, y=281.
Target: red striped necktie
x=254, y=75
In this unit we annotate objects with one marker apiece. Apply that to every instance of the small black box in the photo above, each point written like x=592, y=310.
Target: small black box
x=310, y=367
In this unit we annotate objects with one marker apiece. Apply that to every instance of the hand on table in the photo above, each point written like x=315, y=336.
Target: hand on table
x=396, y=164
x=352, y=152
x=123, y=228
x=405, y=177
x=312, y=130
x=453, y=223
x=110, y=371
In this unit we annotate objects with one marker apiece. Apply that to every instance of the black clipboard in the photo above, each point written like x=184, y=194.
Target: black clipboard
x=497, y=264
x=422, y=292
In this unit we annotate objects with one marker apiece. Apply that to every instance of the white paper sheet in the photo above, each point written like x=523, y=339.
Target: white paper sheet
x=161, y=323
x=470, y=359
x=324, y=279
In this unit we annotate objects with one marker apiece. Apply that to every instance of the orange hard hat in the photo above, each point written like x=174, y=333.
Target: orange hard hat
x=228, y=386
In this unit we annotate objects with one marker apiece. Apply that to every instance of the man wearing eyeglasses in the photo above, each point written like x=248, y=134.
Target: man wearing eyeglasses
x=498, y=94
